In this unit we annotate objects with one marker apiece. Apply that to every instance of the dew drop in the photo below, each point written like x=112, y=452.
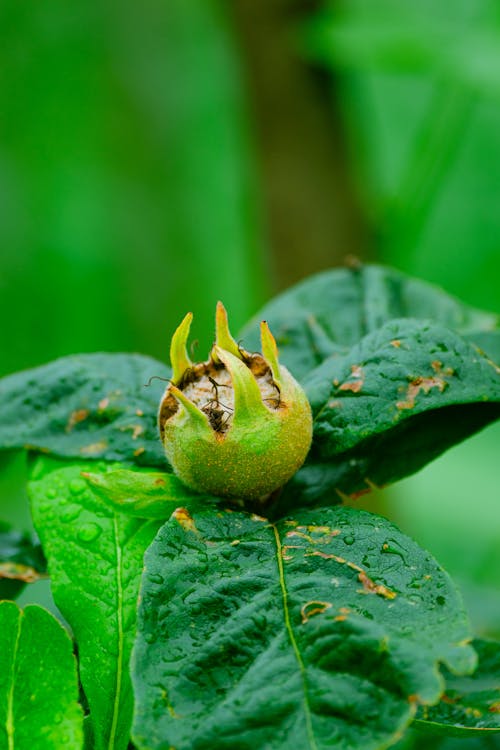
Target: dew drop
x=77, y=486
x=349, y=540
x=392, y=547
x=51, y=493
x=70, y=515
x=155, y=578
x=89, y=532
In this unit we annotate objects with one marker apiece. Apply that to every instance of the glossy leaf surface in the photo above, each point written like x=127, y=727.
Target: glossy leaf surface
x=85, y=407
x=320, y=631
x=95, y=562
x=332, y=311
x=398, y=399
x=38, y=682
x=470, y=704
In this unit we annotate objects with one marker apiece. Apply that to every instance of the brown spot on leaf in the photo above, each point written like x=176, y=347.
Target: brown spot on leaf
x=139, y=451
x=18, y=572
x=370, y=587
x=158, y=482
x=396, y=343
x=137, y=430
x=284, y=550
x=94, y=448
x=184, y=519
x=343, y=612
x=139, y=413
x=495, y=708
x=76, y=417
x=356, y=384
x=103, y=404
x=421, y=384
x=309, y=609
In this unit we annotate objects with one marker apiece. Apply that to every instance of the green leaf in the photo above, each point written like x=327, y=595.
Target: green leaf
x=320, y=631
x=398, y=399
x=85, y=406
x=38, y=682
x=332, y=311
x=21, y=561
x=146, y=495
x=95, y=561
x=469, y=704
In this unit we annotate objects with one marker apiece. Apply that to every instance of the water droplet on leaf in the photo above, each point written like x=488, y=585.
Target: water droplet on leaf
x=89, y=532
x=77, y=486
x=155, y=578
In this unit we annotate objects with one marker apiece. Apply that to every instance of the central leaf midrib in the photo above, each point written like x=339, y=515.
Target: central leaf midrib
x=291, y=635
x=119, y=615
x=9, y=721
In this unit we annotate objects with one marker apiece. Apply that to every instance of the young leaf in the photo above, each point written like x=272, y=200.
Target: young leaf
x=85, y=407
x=95, y=561
x=21, y=561
x=38, y=682
x=320, y=631
x=398, y=399
x=469, y=705
x=145, y=495
x=330, y=312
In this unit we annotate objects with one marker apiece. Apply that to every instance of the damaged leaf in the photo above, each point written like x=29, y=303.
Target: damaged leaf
x=321, y=630
x=383, y=411
x=86, y=406
x=469, y=705
x=330, y=312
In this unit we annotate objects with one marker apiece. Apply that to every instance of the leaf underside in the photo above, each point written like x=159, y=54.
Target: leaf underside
x=319, y=631
x=38, y=682
x=95, y=560
x=470, y=705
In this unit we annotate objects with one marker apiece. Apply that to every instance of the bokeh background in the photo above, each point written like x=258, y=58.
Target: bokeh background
x=158, y=156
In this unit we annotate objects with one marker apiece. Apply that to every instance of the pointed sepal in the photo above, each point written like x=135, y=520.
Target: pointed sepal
x=270, y=352
x=179, y=357
x=223, y=338
x=195, y=415
x=248, y=404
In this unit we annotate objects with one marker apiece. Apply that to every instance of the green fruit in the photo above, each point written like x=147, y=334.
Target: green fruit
x=238, y=425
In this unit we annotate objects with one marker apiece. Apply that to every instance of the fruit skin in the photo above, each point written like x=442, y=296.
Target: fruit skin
x=259, y=442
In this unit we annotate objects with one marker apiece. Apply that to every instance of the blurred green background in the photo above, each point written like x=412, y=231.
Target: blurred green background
x=156, y=157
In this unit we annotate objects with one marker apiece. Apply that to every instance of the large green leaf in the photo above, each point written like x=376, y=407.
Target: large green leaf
x=398, y=399
x=320, y=631
x=95, y=561
x=470, y=704
x=332, y=311
x=21, y=561
x=38, y=682
x=85, y=406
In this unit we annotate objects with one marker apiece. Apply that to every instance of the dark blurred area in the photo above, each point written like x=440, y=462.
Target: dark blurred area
x=156, y=157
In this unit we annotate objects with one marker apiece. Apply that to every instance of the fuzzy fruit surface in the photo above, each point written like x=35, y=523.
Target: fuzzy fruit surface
x=238, y=425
